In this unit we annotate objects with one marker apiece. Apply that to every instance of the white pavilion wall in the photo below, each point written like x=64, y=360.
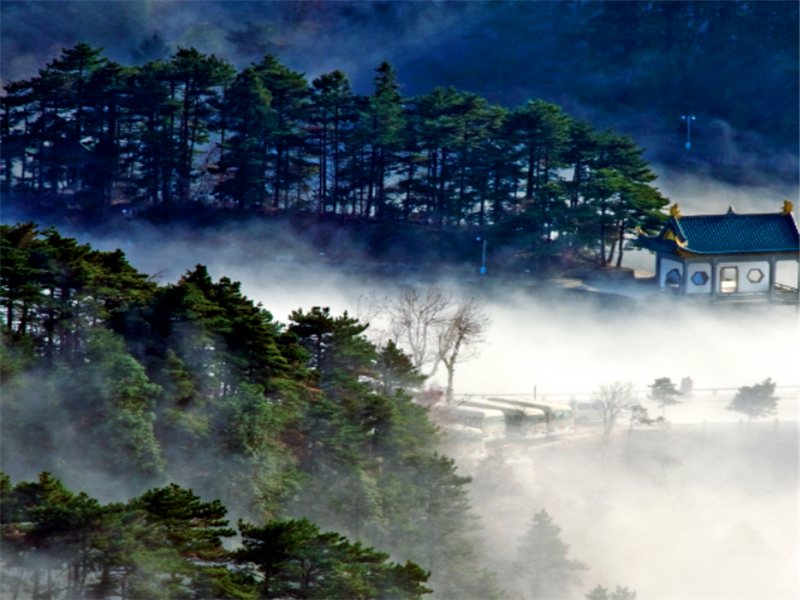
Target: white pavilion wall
x=666, y=266
x=744, y=267
x=691, y=287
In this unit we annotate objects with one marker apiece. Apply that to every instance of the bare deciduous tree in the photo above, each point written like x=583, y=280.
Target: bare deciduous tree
x=370, y=309
x=434, y=328
x=458, y=337
x=613, y=400
x=415, y=318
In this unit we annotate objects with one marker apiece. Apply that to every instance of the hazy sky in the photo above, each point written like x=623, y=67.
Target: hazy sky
x=312, y=36
x=509, y=52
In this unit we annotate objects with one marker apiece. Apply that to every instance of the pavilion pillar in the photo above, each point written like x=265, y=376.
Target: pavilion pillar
x=772, y=262
x=685, y=278
x=714, y=283
x=797, y=291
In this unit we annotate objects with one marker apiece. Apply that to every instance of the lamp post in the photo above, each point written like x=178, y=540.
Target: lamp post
x=483, y=254
x=688, y=119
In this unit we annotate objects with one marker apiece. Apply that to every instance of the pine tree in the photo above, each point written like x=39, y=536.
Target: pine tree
x=542, y=560
x=151, y=105
x=192, y=527
x=664, y=393
x=441, y=122
x=17, y=108
x=48, y=530
x=195, y=80
x=540, y=133
x=380, y=125
x=109, y=137
x=493, y=170
x=618, y=193
x=252, y=121
x=755, y=401
x=116, y=403
x=601, y=593
x=295, y=558
x=289, y=91
x=396, y=370
x=333, y=114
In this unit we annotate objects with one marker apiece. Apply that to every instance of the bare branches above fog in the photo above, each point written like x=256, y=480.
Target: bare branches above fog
x=614, y=400
x=459, y=336
x=431, y=326
x=416, y=320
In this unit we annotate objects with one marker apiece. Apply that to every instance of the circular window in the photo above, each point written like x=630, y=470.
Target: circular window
x=700, y=278
x=755, y=275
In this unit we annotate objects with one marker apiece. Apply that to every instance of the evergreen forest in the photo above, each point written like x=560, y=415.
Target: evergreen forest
x=190, y=137
x=174, y=404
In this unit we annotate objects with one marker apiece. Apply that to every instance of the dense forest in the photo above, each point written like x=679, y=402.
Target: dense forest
x=119, y=386
x=170, y=405
x=167, y=543
x=189, y=134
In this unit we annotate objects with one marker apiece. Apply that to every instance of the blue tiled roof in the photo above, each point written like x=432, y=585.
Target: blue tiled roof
x=732, y=233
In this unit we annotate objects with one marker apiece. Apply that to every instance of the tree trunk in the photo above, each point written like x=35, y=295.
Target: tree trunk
x=621, y=240
x=323, y=168
x=611, y=252
x=336, y=163
x=450, y=372
x=603, y=235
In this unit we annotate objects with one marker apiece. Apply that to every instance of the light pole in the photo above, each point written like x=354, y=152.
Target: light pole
x=688, y=119
x=483, y=254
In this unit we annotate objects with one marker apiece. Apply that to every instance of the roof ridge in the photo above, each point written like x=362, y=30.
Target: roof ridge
x=729, y=215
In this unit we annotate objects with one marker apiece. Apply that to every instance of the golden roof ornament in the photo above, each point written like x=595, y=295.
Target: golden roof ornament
x=674, y=211
x=788, y=207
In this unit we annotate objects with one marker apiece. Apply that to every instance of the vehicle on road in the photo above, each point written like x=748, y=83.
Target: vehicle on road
x=587, y=411
x=559, y=416
x=521, y=421
x=491, y=422
x=464, y=442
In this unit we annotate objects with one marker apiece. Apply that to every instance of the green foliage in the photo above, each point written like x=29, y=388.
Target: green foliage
x=189, y=128
x=333, y=113
x=54, y=289
x=249, y=116
x=294, y=559
x=193, y=382
x=289, y=91
x=640, y=416
x=114, y=385
x=601, y=593
x=194, y=529
x=664, y=392
x=104, y=410
x=755, y=401
x=164, y=544
x=542, y=559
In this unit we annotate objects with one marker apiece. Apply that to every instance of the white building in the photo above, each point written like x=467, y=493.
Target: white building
x=728, y=255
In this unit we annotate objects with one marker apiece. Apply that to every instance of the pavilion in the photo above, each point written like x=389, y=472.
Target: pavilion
x=730, y=255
